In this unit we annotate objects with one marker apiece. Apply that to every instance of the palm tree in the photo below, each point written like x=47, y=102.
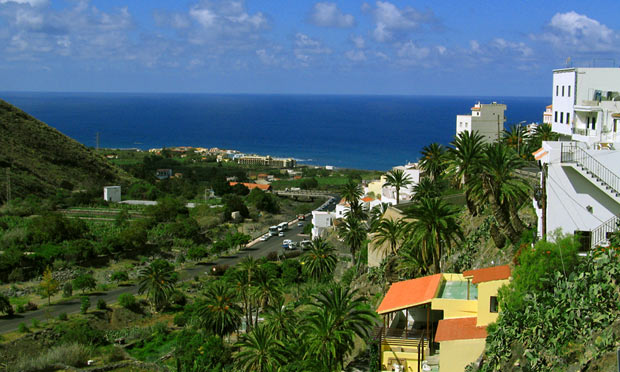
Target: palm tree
x=356, y=210
x=265, y=290
x=157, y=280
x=498, y=185
x=324, y=340
x=219, y=312
x=351, y=191
x=281, y=319
x=465, y=155
x=411, y=263
x=248, y=267
x=397, y=178
x=388, y=231
x=346, y=315
x=542, y=133
x=433, y=160
x=427, y=188
x=260, y=351
x=433, y=228
x=516, y=137
x=239, y=281
x=353, y=231
x=320, y=260
x=376, y=213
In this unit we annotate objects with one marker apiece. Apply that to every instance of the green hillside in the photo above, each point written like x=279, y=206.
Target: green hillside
x=41, y=159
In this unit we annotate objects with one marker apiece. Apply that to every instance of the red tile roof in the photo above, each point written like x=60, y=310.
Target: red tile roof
x=367, y=199
x=488, y=274
x=550, y=106
x=459, y=329
x=409, y=293
x=252, y=185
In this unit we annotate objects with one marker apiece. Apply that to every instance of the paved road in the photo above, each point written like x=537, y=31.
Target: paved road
x=260, y=249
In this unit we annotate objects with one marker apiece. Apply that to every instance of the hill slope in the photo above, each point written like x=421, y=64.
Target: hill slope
x=42, y=159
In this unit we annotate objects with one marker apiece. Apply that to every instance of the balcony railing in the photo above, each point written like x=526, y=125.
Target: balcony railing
x=600, y=234
x=585, y=132
x=572, y=153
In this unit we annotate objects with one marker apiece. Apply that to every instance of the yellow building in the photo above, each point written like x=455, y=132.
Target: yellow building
x=439, y=317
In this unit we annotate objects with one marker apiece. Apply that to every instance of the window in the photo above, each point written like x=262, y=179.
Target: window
x=594, y=122
x=561, y=117
x=569, y=90
x=562, y=90
x=556, y=117
x=494, y=307
x=615, y=125
x=557, y=90
x=568, y=118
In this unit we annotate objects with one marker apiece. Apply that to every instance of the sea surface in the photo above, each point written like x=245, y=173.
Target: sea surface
x=363, y=132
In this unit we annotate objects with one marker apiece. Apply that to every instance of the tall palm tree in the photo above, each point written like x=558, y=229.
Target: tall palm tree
x=465, y=155
x=249, y=267
x=543, y=132
x=356, y=209
x=345, y=312
x=219, y=312
x=242, y=286
x=427, y=188
x=320, y=260
x=353, y=231
x=516, y=137
x=412, y=263
x=282, y=319
x=351, y=191
x=157, y=280
x=498, y=185
x=324, y=340
x=433, y=160
x=376, y=213
x=266, y=289
x=260, y=351
x=388, y=231
x=433, y=229
x=397, y=178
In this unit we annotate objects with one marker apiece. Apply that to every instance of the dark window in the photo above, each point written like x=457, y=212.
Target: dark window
x=561, y=117
x=568, y=118
x=562, y=90
x=493, y=307
x=569, y=90
x=594, y=122
x=557, y=90
x=556, y=117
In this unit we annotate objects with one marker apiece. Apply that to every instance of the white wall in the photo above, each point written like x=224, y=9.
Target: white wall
x=563, y=104
x=321, y=221
x=112, y=194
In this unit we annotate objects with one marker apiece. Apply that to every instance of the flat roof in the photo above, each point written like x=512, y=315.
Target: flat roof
x=488, y=274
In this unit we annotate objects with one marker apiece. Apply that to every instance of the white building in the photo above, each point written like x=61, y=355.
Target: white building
x=488, y=119
x=321, y=222
x=583, y=190
x=548, y=115
x=586, y=104
x=112, y=194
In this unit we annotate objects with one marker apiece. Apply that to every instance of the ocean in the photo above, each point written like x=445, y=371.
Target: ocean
x=363, y=132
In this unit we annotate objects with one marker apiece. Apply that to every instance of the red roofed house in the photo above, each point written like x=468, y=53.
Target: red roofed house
x=451, y=310
x=252, y=186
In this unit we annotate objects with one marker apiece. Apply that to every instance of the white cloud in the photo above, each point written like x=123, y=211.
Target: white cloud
x=572, y=31
x=32, y=3
x=410, y=51
x=224, y=20
x=306, y=47
x=391, y=20
x=355, y=55
x=358, y=41
x=326, y=14
x=441, y=49
x=504, y=46
x=267, y=58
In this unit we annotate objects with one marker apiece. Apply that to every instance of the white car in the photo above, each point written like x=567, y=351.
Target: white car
x=281, y=233
x=264, y=237
x=300, y=224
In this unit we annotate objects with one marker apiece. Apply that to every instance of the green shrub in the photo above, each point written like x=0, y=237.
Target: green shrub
x=84, y=304
x=178, y=298
x=35, y=323
x=74, y=355
x=23, y=328
x=84, y=282
x=114, y=354
x=119, y=276
x=101, y=304
x=20, y=308
x=67, y=290
x=127, y=300
x=63, y=316
x=80, y=331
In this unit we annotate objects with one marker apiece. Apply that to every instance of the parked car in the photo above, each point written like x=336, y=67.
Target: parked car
x=286, y=243
x=264, y=237
x=305, y=244
x=281, y=233
x=300, y=224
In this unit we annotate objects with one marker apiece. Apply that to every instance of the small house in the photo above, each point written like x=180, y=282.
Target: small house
x=112, y=194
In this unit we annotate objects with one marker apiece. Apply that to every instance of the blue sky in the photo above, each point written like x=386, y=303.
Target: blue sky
x=276, y=46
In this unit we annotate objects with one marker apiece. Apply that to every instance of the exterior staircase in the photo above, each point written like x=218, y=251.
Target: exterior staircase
x=600, y=176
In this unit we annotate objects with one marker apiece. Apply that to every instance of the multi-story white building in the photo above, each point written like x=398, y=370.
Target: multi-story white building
x=586, y=105
x=548, y=115
x=321, y=222
x=486, y=118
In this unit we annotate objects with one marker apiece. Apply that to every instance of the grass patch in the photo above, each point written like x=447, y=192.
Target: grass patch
x=16, y=301
x=74, y=355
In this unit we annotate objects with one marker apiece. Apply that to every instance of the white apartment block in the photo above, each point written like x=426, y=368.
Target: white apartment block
x=583, y=190
x=488, y=119
x=586, y=105
x=548, y=115
x=321, y=222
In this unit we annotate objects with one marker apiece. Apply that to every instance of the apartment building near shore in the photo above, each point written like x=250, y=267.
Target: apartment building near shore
x=486, y=118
